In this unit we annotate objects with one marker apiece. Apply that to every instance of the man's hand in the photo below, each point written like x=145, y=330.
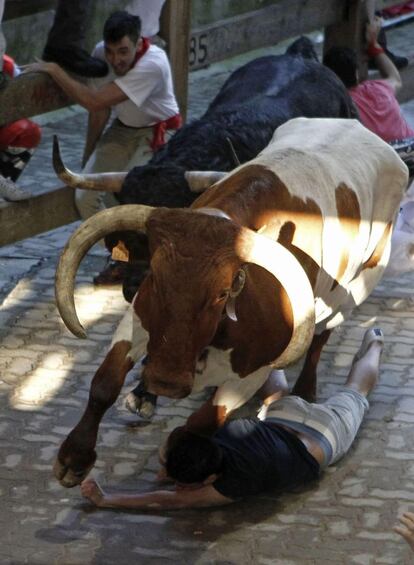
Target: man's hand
x=407, y=529
x=92, y=491
x=39, y=66
x=372, y=30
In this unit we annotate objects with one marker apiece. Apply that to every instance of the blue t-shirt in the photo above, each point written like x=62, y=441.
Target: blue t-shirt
x=259, y=456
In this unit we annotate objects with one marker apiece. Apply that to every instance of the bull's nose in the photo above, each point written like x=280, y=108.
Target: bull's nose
x=175, y=388
x=161, y=390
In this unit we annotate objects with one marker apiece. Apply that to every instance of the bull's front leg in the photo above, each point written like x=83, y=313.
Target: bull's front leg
x=232, y=392
x=77, y=454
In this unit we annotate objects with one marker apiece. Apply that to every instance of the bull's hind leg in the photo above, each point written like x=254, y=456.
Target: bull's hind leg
x=77, y=453
x=305, y=386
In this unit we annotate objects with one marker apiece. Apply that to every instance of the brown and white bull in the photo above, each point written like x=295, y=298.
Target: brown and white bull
x=259, y=270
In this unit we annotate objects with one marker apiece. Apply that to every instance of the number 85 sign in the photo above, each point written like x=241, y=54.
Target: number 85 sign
x=198, y=50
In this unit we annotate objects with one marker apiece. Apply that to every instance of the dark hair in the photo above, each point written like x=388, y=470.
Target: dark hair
x=119, y=24
x=192, y=458
x=343, y=62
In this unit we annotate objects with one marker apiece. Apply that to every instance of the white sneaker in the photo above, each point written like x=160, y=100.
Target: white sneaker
x=10, y=191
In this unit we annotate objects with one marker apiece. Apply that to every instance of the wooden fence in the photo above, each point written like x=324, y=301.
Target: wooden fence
x=341, y=20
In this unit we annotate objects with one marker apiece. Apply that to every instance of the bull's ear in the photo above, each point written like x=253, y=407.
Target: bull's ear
x=236, y=288
x=238, y=283
x=120, y=252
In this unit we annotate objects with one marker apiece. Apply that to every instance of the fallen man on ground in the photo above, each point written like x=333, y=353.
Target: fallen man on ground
x=291, y=445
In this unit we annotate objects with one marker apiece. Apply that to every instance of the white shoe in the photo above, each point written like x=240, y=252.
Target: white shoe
x=10, y=191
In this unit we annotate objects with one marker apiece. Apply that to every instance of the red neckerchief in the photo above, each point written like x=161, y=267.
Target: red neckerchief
x=141, y=52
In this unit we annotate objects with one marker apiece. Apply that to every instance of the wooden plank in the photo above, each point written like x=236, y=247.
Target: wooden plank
x=30, y=95
x=175, y=30
x=44, y=212
x=267, y=26
x=18, y=8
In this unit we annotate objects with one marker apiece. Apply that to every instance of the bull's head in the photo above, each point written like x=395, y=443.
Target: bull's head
x=197, y=269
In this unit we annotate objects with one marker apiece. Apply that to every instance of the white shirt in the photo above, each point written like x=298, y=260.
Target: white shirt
x=149, y=88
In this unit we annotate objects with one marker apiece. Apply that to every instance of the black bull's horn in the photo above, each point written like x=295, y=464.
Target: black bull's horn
x=104, y=182
x=250, y=247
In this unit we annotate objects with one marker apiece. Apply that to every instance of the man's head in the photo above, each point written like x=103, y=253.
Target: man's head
x=343, y=62
x=122, y=39
x=191, y=458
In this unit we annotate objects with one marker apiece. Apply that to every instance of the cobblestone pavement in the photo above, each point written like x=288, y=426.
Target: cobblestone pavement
x=45, y=373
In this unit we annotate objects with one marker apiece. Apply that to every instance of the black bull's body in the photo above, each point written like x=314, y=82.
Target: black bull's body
x=254, y=101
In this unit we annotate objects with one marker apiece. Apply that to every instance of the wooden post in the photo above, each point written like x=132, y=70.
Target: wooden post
x=350, y=33
x=175, y=30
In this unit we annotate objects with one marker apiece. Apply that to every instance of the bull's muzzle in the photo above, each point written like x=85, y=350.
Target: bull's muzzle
x=174, y=386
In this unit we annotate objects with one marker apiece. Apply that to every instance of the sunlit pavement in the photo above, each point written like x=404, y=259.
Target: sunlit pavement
x=45, y=374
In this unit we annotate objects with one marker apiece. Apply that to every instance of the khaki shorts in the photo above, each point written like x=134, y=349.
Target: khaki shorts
x=333, y=423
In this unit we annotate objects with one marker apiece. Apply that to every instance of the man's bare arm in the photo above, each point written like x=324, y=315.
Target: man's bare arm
x=92, y=100
x=96, y=124
x=204, y=496
x=386, y=67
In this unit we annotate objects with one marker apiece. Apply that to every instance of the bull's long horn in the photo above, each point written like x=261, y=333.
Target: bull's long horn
x=119, y=218
x=272, y=256
x=105, y=182
x=198, y=181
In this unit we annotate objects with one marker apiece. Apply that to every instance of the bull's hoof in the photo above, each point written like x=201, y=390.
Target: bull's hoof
x=142, y=405
x=70, y=474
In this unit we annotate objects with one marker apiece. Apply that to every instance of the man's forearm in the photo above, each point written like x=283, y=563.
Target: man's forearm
x=160, y=499
x=155, y=500
x=388, y=70
x=77, y=91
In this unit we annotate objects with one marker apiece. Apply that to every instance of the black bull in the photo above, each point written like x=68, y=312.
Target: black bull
x=255, y=100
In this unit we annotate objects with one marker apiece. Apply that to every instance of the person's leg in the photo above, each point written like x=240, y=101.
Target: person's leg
x=119, y=149
x=335, y=423
x=275, y=388
x=18, y=141
x=363, y=375
x=113, y=153
x=66, y=39
x=347, y=408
